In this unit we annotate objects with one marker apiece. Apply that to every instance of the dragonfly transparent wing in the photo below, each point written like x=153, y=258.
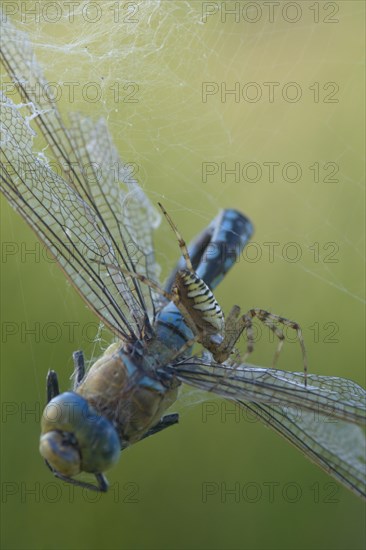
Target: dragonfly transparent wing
x=67, y=225
x=320, y=419
x=337, y=447
x=89, y=163
x=121, y=203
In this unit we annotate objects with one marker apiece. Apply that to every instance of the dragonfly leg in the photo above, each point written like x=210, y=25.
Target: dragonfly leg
x=102, y=483
x=79, y=368
x=52, y=385
x=165, y=422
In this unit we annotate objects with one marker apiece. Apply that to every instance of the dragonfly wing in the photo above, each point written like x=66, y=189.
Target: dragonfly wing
x=125, y=210
x=319, y=419
x=67, y=225
x=337, y=447
x=336, y=397
x=89, y=163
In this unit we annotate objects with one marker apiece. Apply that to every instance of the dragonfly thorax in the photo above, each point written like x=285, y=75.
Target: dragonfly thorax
x=128, y=392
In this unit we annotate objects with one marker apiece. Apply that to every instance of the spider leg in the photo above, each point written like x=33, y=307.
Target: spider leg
x=181, y=241
x=270, y=320
x=214, y=251
x=221, y=350
x=196, y=250
x=217, y=248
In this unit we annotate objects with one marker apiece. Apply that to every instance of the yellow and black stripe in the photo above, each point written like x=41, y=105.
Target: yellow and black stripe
x=200, y=302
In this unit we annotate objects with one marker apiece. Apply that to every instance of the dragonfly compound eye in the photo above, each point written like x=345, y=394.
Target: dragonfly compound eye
x=60, y=453
x=75, y=438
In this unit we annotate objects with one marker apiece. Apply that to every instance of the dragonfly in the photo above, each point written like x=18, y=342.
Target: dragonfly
x=100, y=230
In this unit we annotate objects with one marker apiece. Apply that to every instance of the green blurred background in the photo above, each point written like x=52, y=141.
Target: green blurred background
x=168, y=50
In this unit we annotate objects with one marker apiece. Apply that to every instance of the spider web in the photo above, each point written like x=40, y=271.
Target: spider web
x=144, y=68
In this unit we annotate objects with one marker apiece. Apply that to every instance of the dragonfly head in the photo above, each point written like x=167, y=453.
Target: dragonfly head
x=75, y=438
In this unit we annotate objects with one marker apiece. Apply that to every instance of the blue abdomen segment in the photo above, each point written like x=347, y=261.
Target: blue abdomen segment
x=213, y=252
x=171, y=328
x=231, y=232
x=217, y=248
